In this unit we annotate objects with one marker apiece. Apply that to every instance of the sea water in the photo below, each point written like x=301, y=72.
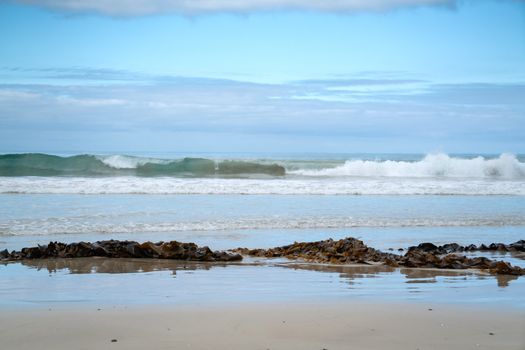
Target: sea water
x=228, y=201
x=458, y=198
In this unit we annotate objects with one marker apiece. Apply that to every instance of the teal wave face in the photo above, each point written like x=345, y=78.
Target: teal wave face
x=37, y=164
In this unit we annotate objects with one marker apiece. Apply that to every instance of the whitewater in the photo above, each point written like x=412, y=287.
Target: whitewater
x=230, y=200
x=174, y=186
x=432, y=174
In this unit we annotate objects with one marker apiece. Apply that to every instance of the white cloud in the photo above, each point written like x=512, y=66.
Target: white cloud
x=148, y=7
x=224, y=111
x=90, y=102
x=15, y=95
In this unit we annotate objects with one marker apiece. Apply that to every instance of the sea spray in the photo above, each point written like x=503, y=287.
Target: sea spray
x=439, y=165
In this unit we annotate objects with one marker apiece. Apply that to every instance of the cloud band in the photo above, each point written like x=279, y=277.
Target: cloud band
x=194, y=7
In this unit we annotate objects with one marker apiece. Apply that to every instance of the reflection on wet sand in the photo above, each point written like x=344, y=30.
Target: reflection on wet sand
x=108, y=265
x=349, y=273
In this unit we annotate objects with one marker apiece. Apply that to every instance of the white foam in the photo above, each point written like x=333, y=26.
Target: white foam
x=85, y=225
x=310, y=186
x=439, y=165
x=127, y=162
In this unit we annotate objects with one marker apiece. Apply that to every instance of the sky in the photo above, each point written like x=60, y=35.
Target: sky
x=270, y=76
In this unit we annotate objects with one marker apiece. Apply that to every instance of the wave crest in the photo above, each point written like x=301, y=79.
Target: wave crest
x=506, y=166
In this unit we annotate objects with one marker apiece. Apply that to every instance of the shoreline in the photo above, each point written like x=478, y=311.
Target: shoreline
x=101, y=281
x=320, y=325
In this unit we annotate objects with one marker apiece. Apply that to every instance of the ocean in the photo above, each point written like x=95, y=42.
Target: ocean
x=311, y=174
x=257, y=201
x=443, y=197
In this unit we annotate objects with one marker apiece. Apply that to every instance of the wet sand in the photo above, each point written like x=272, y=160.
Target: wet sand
x=103, y=282
x=320, y=325
x=86, y=303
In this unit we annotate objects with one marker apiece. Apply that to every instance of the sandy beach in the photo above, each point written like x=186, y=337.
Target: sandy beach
x=260, y=303
x=321, y=325
x=262, y=175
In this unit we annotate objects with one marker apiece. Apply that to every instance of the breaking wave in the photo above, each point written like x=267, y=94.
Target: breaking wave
x=440, y=165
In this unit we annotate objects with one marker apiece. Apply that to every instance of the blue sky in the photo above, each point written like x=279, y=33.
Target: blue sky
x=262, y=76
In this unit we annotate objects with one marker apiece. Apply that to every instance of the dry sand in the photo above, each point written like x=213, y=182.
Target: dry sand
x=314, y=326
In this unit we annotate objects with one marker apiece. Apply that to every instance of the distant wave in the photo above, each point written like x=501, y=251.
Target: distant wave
x=36, y=164
x=439, y=165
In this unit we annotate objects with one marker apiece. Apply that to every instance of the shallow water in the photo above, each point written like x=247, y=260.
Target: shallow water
x=120, y=282
x=106, y=215
x=254, y=221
